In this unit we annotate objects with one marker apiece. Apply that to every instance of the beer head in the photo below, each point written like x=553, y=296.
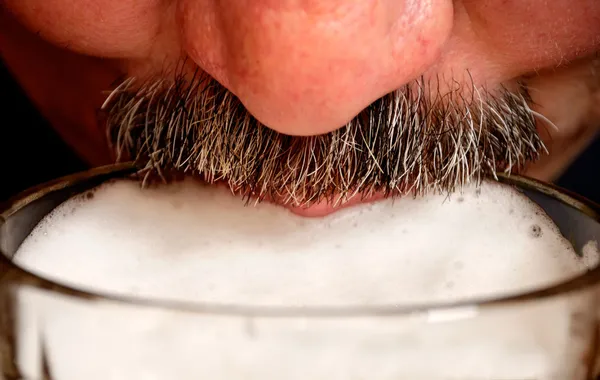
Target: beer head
x=199, y=244
x=192, y=242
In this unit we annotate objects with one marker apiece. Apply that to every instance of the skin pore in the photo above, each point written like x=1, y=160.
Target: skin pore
x=307, y=67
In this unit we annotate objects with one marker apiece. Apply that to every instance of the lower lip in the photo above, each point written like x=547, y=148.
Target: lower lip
x=325, y=208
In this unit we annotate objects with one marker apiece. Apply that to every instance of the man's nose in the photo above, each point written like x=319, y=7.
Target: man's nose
x=305, y=67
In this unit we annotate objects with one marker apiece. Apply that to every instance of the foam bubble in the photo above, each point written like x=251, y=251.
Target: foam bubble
x=192, y=242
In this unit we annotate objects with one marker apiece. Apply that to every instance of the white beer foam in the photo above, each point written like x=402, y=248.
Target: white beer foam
x=197, y=243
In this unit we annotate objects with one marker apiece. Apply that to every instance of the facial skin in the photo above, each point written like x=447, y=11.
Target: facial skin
x=307, y=67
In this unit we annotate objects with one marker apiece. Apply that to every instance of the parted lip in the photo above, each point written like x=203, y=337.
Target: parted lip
x=14, y=214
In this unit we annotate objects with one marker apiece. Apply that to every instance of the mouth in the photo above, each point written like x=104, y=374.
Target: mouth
x=316, y=209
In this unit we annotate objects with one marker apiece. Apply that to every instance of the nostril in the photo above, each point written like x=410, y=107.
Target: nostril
x=302, y=68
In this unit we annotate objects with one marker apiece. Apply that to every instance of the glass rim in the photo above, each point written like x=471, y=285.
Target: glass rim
x=13, y=274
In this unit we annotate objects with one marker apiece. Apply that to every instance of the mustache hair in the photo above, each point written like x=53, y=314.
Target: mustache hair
x=411, y=141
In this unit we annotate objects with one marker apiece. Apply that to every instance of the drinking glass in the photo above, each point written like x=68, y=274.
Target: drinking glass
x=49, y=330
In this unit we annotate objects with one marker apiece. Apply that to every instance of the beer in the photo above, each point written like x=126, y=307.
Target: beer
x=195, y=243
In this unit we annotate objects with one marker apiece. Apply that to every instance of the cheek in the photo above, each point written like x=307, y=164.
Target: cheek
x=107, y=28
x=534, y=34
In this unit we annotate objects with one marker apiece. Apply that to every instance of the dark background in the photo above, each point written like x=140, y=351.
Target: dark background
x=32, y=153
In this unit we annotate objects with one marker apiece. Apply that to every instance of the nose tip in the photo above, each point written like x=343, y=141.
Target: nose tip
x=307, y=67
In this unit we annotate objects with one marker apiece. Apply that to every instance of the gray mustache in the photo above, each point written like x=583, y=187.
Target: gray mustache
x=413, y=140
